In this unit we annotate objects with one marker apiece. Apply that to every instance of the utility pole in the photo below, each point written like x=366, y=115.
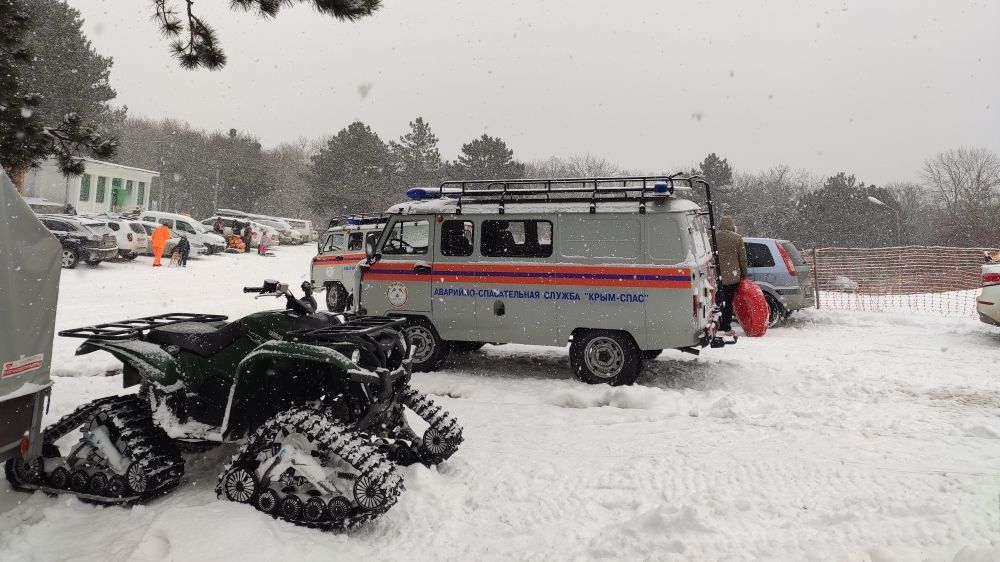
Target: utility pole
x=215, y=195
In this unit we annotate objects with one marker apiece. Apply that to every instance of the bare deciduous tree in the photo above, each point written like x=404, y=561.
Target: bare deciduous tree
x=964, y=176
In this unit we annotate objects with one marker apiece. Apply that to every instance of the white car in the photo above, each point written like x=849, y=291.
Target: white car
x=988, y=301
x=197, y=247
x=131, y=237
x=228, y=222
x=201, y=242
x=304, y=228
x=285, y=233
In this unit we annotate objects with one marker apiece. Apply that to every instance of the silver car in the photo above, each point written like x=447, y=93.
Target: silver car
x=781, y=273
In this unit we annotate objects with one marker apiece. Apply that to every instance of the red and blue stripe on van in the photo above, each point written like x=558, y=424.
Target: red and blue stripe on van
x=568, y=275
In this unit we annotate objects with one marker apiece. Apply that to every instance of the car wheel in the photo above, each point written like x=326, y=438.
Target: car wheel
x=776, y=312
x=336, y=298
x=429, y=350
x=70, y=257
x=93, y=262
x=131, y=256
x=605, y=357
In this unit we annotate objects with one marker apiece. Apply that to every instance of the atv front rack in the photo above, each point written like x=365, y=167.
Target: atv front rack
x=356, y=325
x=131, y=329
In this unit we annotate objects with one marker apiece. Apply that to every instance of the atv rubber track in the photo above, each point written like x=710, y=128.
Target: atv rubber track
x=440, y=421
x=153, y=462
x=352, y=447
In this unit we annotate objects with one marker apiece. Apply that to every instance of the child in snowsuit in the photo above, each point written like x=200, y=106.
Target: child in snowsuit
x=184, y=247
x=262, y=246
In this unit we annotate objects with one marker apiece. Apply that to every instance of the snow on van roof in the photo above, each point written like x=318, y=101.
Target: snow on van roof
x=448, y=205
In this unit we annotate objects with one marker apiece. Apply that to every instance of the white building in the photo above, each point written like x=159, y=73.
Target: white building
x=104, y=187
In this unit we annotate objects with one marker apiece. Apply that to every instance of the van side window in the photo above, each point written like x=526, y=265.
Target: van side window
x=759, y=255
x=185, y=227
x=166, y=222
x=456, y=238
x=356, y=242
x=516, y=239
x=407, y=238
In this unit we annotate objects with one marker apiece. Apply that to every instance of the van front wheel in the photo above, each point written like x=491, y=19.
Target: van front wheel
x=605, y=357
x=336, y=297
x=429, y=350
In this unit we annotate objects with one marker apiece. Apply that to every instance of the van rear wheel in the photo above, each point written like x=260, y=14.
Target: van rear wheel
x=429, y=350
x=336, y=297
x=605, y=357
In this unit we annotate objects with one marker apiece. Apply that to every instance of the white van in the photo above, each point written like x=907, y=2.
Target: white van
x=619, y=267
x=201, y=238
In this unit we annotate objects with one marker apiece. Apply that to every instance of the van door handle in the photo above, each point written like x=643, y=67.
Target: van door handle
x=499, y=309
x=422, y=268
x=339, y=258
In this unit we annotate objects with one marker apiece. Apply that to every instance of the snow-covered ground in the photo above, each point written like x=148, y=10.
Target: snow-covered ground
x=841, y=436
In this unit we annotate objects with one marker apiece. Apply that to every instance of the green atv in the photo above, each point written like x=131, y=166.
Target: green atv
x=317, y=399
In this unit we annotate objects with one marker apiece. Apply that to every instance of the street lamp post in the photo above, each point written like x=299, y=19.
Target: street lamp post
x=899, y=230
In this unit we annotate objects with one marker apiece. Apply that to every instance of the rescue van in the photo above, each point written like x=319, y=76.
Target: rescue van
x=621, y=268
x=340, y=249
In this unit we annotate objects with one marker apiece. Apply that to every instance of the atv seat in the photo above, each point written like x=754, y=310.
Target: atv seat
x=196, y=337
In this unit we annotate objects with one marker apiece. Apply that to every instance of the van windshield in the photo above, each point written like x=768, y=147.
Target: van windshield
x=334, y=242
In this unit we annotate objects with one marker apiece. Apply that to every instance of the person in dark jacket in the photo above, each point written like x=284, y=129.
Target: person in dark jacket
x=732, y=269
x=218, y=226
x=184, y=247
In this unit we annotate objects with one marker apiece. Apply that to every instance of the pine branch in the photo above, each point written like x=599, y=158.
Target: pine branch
x=202, y=49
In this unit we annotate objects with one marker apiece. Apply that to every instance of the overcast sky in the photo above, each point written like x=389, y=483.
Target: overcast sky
x=870, y=87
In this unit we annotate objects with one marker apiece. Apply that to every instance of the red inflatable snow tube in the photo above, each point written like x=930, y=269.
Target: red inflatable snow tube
x=751, y=309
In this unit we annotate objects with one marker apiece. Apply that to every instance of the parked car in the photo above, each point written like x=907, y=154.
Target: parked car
x=988, y=301
x=168, y=248
x=227, y=226
x=305, y=228
x=81, y=238
x=781, y=273
x=207, y=241
x=131, y=238
x=286, y=235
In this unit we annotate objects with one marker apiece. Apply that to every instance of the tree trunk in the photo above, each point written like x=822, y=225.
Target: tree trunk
x=16, y=176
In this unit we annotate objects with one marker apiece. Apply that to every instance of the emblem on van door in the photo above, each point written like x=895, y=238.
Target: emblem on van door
x=396, y=295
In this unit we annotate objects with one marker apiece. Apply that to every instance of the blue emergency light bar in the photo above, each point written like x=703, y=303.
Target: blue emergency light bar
x=421, y=193
x=663, y=187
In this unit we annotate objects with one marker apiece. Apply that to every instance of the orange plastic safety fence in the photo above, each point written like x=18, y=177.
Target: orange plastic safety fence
x=924, y=279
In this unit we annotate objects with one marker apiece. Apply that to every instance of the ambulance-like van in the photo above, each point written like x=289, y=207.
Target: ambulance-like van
x=340, y=249
x=621, y=268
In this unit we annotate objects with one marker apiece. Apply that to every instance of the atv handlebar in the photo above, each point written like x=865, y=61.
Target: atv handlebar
x=253, y=289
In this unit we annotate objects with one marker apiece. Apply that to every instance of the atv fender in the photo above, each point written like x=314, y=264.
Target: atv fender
x=272, y=372
x=143, y=361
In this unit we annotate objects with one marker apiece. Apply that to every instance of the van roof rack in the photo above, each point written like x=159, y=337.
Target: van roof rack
x=358, y=219
x=591, y=190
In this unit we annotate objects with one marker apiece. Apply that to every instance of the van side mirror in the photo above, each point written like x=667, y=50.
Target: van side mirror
x=370, y=252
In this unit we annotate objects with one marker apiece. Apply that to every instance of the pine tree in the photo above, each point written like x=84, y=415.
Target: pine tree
x=486, y=158
x=352, y=173
x=72, y=77
x=26, y=138
x=716, y=171
x=416, y=157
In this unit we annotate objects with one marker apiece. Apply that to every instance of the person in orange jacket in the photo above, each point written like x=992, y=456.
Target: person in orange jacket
x=160, y=237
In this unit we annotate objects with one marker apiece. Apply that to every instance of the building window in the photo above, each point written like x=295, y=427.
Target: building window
x=517, y=239
x=85, y=188
x=102, y=186
x=141, y=194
